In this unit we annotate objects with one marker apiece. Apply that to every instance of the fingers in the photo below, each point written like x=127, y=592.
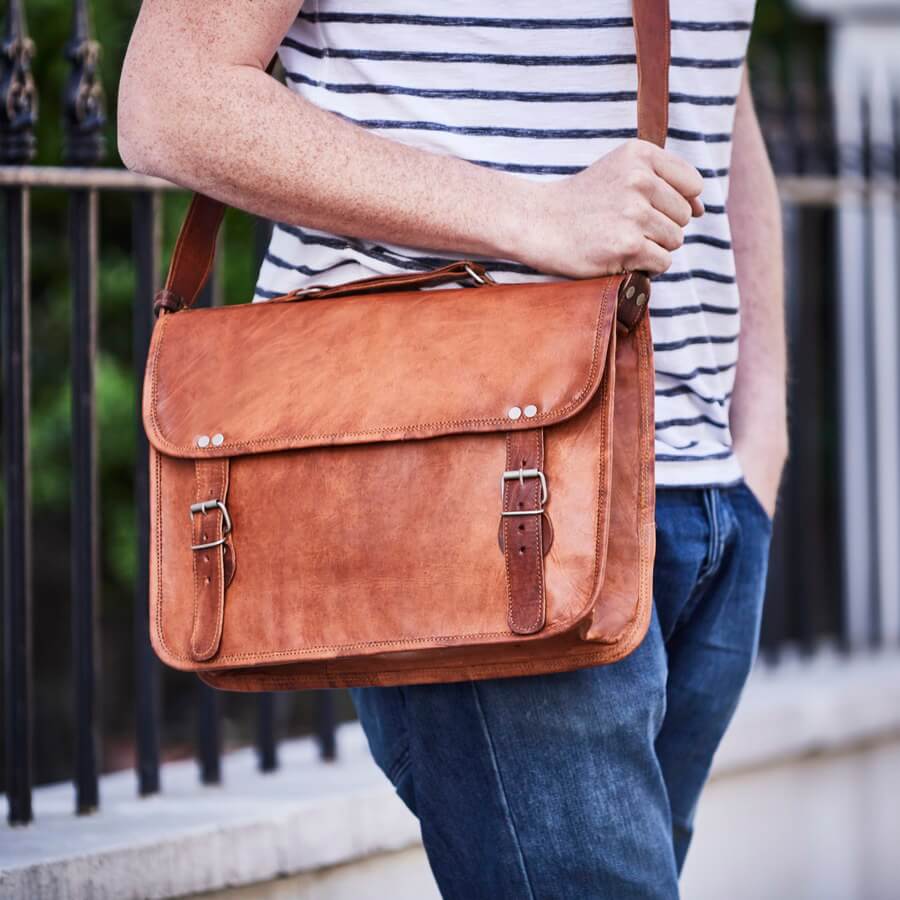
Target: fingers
x=660, y=229
x=681, y=176
x=651, y=258
x=665, y=199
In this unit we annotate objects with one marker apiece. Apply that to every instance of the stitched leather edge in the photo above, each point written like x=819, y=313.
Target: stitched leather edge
x=158, y=439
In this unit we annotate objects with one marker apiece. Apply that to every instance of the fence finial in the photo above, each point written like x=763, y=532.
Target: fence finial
x=18, y=95
x=83, y=102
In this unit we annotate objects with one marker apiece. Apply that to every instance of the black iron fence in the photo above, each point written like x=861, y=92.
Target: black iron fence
x=84, y=122
x=808, y=598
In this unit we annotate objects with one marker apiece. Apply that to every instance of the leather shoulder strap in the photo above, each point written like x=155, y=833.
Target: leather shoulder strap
x=652, y=38
x=196, y=245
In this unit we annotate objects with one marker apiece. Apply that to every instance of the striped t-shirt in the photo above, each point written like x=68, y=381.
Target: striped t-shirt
x=543, y=90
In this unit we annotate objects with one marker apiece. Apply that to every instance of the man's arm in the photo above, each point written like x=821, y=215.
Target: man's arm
x=759, y=404
x=196, y=107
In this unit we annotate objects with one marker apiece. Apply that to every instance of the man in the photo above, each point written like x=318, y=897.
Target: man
x=408, y=135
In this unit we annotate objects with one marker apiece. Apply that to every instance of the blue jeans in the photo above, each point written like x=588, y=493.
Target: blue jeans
x=584, y=784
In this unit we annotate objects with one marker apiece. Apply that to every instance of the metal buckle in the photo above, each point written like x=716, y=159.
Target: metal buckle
x=482, y=277
x=520, y=475
x=204, y=506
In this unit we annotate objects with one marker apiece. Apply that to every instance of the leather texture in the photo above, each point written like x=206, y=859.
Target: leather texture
x=523, y=535
x=329, y=469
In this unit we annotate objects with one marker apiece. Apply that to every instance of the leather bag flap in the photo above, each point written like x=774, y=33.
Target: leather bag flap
x=395, y=366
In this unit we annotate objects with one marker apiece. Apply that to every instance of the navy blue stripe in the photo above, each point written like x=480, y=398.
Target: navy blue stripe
x=524, y=169
x=516, y=96
x=680, y=389
x=494, y=22
x=693, y=420
x=711, y=26
x=382, y=254
x=499, y=131
x=714, y=173
x=673, y=311
x=701, y=100
x=466, y=21
x=700, y=370
x=714, y=210
x=468, y=94
x=698, y=339
x=703, y=274
x=710, y=241
x=531, y=133
x=299, y=267
x=508, y=59
x=683, y=135
x=336, y=243
x=267, y=294
x=674, y=457
x=534, y=169
x=689, y=62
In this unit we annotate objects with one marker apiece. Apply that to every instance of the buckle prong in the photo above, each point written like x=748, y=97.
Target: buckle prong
x=520, y=475
x=203, y=507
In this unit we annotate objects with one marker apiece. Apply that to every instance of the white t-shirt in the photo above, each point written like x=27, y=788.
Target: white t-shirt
x=543, y=90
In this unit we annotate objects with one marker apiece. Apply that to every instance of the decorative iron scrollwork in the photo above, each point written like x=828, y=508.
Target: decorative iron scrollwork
x=18, y=95
x=83, y=103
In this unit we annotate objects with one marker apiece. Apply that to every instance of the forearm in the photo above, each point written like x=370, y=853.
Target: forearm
x=196, y=107
x=239, y=135
x=758, y=404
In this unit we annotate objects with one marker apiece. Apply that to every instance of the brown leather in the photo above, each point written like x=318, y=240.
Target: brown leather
x=523, y=510
x=357, y=440
x=465, y=270
x=210, y=577
x=634, y=295
x=378, y=367
x=168, y=301
x=652, y=33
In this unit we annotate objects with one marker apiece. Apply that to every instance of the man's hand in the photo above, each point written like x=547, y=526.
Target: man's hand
x=762, y=465
x=627, y=211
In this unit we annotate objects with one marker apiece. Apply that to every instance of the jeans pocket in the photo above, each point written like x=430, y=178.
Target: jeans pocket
x=756, y=504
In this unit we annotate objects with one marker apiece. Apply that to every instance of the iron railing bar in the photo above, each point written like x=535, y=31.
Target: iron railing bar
x=17, y=599
x=266, y=744
x=83, y=221
x=209, y=737
x=325, y=724
x=147, y=243
x=103, y=178
x=800, y=190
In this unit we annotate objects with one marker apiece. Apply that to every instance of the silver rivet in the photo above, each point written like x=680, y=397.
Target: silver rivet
x=630, y=291
x=217, y=440
x=514, y=412
x=530, y=411
x=641, y=299
x=203, y=440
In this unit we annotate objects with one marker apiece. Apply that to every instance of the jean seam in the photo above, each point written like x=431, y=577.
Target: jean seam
x=711, y=559
x=399, y=767
x=495, y=765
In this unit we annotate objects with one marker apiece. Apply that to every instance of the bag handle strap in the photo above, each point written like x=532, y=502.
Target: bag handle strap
x=195, y=247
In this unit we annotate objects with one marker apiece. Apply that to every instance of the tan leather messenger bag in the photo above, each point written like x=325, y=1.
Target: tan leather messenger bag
x=372, y=484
